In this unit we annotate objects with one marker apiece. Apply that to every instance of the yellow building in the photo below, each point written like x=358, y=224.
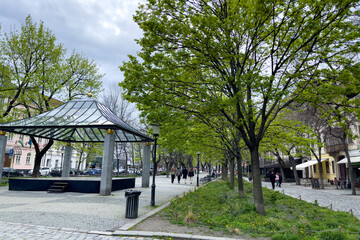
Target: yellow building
x=311, y=168
x=328, y=166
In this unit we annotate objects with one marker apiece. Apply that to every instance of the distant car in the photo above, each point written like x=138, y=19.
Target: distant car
x=120, y=170
x=45, y=171
x=133, y=171
x=11, y=172
x=93, y=171
x=56, y=172
x=74, y=171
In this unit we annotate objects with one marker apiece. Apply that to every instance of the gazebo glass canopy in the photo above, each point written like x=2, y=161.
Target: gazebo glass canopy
x=81, y=120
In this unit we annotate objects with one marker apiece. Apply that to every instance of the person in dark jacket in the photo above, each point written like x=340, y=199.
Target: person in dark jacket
x=178, y=174
x=172, y=173
x=185, y=173
x=272, y=179
x=191, y=174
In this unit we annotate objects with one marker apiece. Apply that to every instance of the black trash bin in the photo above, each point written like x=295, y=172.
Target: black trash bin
x=132, y=203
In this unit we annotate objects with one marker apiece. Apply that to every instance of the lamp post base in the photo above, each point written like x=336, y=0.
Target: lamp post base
x=152, y=201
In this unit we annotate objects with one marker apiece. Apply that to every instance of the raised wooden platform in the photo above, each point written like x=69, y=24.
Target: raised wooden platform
x=75, y=184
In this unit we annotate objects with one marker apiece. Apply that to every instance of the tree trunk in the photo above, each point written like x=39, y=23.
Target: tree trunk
x=79, y=163
x=257, y=188
x=281, y=164
x=232, y=175
x=293, y=166
x=117, y=158
x=240, y=176
x=320, y=169
x=126, y=159
x=224, y=170
x=351, y=173
x=39, y=154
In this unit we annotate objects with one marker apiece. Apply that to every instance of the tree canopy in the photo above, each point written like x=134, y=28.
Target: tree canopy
x=243, y=60
x=37, y=75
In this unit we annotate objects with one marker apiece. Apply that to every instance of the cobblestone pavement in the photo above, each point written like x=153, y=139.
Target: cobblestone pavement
x=336, y=199
x=18, y=231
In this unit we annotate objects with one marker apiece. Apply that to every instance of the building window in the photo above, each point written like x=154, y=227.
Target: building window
x=327, y=165
x=333, y=166
x=17, y=161
x=28, y=158
x=315, y=168
x=56, y=163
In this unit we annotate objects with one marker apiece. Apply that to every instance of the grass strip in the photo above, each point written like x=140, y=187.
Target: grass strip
x=218, y=207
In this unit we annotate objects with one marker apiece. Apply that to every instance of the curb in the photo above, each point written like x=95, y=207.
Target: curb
x=170, y=235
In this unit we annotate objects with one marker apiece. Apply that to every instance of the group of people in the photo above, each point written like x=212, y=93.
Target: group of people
x=275, y=178
x=339, y=183
x=184, y=173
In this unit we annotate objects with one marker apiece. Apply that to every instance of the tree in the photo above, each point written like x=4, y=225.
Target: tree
x=125, y=111
x=338, y=103
x=247, y=60
x=36, y=70
x=289, y=136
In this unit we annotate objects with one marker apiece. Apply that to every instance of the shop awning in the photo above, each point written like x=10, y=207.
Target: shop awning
x=352, y=159
x=304, y=165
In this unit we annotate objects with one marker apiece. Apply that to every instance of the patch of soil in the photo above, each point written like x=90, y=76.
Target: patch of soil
x=159, y=223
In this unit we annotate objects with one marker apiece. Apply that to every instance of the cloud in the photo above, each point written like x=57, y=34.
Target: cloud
x=102, y=30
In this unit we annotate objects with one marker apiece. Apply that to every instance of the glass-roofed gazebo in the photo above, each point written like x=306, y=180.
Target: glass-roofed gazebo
x=80, y=120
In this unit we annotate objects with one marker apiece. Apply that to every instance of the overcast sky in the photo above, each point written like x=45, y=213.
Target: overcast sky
x=102, y=30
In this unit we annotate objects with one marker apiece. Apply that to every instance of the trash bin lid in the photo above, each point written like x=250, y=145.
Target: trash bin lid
x=132, y=192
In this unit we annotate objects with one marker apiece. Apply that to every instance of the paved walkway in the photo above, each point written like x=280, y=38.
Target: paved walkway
x=336, y=199
x=39, y=215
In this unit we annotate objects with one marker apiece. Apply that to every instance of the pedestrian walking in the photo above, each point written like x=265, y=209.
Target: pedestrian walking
x=191, y=175
x=341, y=183
x=172, y=174
x=178, y=174
x=277, y=179
x=336, y=183
x=280, y=179
x=272, y=179
x=184, y=173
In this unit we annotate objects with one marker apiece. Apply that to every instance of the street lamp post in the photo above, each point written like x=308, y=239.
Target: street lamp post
x=156, y=131
x=198, y=168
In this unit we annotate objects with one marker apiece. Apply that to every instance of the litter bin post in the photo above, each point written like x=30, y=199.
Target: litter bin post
x=132, y=203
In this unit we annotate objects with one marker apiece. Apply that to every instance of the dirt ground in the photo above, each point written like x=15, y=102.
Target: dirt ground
x=159, y=223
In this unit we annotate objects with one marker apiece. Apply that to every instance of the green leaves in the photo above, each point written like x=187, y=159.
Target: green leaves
x=34, y=69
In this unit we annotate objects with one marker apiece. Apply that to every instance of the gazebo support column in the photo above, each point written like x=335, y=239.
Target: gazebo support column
x=107, y=164
x=3, y=140
x=146, y=166
x=67, y=161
